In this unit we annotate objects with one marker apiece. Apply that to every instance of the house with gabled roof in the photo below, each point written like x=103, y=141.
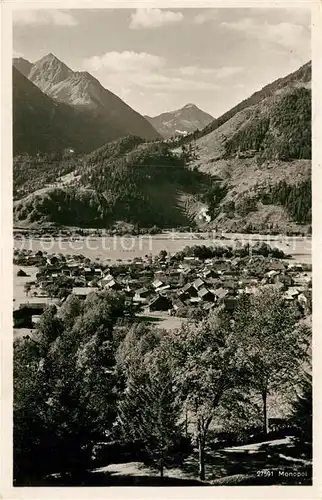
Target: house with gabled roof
x=112, y=285
x=157, y=283
x=301, y=279
x=291, y=293
x=221, y=293
x=205, y=294
x=198, y=283
x=162, y=288
x=178, y=304
x=191, y=259
x=141, y=295
x=105, y=280
x=159, y=303
x=195, y=300
x=207, y=273
x=188, y=290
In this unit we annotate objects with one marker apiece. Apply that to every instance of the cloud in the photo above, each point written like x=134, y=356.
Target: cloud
x=206, y=16
x=154, y=18
x=283, y=34
x=127, y=61
x=124, y=72
x=213, y=73
x=175, y=83
x=43, y=17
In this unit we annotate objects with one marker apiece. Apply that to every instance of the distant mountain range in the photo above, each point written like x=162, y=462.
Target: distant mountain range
x=248, y=170
x=181, y=121
x=105, y=115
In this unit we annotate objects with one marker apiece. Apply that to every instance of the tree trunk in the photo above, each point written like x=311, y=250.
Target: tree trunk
x=161, y=467
x=265, y=423
x=201, y=446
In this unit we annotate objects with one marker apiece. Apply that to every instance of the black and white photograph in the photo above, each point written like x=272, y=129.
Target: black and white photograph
x=161, y=249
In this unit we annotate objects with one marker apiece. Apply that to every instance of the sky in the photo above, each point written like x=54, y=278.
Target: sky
x=158, y=60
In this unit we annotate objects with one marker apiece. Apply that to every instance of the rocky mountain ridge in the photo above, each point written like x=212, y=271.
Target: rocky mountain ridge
x=180, y=121
x=107, y=115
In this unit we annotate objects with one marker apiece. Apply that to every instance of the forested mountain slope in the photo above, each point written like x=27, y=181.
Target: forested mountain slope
x=127, y=180
x=261, y=154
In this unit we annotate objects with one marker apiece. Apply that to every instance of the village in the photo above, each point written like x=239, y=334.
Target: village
x=187, y=284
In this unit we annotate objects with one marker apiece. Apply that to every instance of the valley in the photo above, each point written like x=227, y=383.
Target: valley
x=248, y=170
x=162, y=248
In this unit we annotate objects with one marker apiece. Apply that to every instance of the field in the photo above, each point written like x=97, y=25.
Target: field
x=127, y=248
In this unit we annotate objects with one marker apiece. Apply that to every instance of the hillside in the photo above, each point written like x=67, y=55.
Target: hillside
x=261, y=144
x=83, y=91
x=127, y=180
x=181, y=121
x=67, y=110
x=299, y=78
x=39, y=123
x=55, y=125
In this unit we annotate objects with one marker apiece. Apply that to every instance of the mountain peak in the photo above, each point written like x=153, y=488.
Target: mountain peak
x=181, y=121
x=50, y=57
x=48, y=71
x=22, y=65
x=189, y=105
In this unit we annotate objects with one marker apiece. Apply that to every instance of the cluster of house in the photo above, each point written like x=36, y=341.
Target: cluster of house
x=216, y=282
x=166, y=284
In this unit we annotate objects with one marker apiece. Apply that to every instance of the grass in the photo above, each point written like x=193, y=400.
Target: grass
x=163, y=320
x=265, y=463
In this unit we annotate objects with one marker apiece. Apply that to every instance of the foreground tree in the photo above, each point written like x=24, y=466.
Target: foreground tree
x=208, y=364
x=275, y=344
x=65, y=390
x=149, y=415
x=301, y=415
x=149, y=412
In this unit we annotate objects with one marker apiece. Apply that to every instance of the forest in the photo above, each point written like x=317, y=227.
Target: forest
x=296, y=198
x=282, y=132
x=126, y=180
